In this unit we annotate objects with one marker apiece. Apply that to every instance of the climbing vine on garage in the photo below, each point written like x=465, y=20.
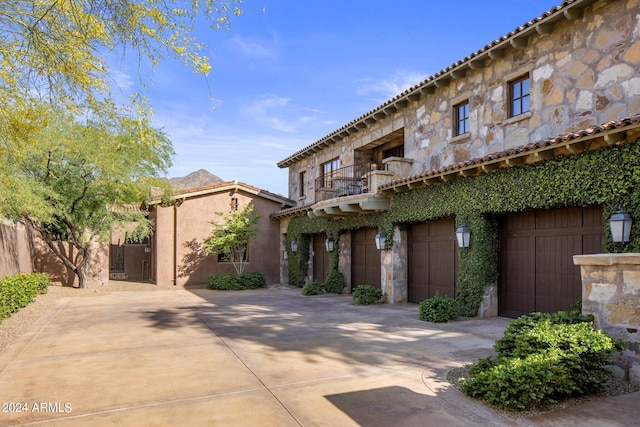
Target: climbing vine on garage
x=608, y=176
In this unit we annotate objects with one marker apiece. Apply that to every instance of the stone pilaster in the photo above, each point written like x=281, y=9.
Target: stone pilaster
x=394, y=268
x=611, y=292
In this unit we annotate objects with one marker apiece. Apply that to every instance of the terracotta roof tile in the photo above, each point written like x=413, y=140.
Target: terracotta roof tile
x=590, y=131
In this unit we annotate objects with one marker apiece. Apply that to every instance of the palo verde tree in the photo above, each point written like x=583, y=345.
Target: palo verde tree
x=58, y=48
x=231, y=236
x=76, y=170
x=66, y=151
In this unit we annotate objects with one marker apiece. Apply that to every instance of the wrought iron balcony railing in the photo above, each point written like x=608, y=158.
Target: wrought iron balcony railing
x=342, y=182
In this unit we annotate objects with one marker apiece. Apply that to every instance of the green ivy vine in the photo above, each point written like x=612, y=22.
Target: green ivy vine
x=608, y=176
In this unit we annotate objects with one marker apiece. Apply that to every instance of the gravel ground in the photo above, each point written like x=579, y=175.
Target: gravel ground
x=14, y=326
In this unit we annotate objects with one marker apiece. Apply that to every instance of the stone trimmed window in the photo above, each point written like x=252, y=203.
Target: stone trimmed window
x=461, y=118
x=519, y=96
x=302, y=183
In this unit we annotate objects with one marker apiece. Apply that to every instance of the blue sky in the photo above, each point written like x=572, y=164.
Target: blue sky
x=289, y=72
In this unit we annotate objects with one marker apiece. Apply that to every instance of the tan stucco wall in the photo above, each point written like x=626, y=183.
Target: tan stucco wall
x=583, y=73
x=23, y=250
x=15, y=250
x=194, y=216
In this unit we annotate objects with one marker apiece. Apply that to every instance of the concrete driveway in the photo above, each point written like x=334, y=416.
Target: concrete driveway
x=267, y=357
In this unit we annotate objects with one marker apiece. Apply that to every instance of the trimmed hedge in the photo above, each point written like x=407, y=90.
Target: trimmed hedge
x=366, y=294
x=313, y=288
x=542, y=358
x=230, y=282
x=438, y=309
x=19, y=290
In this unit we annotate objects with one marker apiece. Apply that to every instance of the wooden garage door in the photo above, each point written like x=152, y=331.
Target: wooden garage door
x=536, y=258
x=432, y=260
x=320, y=258
x=365, y=258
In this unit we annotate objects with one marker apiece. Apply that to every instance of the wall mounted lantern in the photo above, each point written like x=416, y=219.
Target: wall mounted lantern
x=380, y=240
x=620, y=225
x=463, y=235
x=294, y=246
x=329, y=244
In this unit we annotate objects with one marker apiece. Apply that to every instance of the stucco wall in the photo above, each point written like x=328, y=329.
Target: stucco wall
x=193, y=218
x=583, y=73
x=15, y=250
x=23, y=250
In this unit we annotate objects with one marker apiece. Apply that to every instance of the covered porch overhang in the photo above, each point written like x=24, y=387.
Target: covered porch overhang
x=351, y=205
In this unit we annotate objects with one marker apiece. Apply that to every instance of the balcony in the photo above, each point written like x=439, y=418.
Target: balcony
x=350, y=190
x=346, y=181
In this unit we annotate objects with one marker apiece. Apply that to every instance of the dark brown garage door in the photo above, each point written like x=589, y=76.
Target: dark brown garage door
x=536, y=258
x=365, y=258
x=432, y=260
x=320, y=258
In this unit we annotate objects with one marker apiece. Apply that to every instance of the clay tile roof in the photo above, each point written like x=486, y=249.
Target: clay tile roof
x=504, y=40
x=226, y=186
x=590, y=131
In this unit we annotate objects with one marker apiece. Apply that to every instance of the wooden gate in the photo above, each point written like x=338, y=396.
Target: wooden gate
x=320, y=258
x=433, y=259
x=365, y=258
x=536, y=258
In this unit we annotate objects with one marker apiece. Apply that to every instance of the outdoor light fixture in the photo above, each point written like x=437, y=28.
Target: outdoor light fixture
x=463, y=235
x=380, y=239
x=329, y=244
x=620, y=225
x=294, y=246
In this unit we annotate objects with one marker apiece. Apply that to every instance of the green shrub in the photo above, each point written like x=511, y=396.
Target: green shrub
x=541, y=358
x=224, y=282
x=19, y=290
x=252, y=280
x=313, y=288
x=366, y=294
x=438, y=309
x=334, y=283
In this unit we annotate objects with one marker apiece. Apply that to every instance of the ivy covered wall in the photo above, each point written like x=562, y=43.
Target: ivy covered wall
x=608, y=176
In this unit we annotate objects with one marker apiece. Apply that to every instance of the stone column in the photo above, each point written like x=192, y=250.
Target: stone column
x=611, y=292
x=394, y=268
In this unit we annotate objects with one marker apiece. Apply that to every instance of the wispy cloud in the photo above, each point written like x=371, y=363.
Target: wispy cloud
x=388, y=87
x=279, y=113
x=254, y=48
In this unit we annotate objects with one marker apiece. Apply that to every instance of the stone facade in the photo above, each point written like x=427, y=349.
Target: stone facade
x=581, y=61
x=611, y=293
x=584, y=72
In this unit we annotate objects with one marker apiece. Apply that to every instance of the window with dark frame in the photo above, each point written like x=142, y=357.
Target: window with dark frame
x=234, y=204
x=328, y=170
x=461, y=113
x=520, y=96
x=302, y=184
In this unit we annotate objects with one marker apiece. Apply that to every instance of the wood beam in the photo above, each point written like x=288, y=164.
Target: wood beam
x=519, y=42
x=476, y=64
x=543, y=29
x=515, y=161
x=573, y=13
x=576, y=148
x=489, y=167
x=496, y=53
x=614, y=138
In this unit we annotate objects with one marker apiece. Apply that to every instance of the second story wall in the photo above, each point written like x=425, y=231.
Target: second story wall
x=578, y=71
